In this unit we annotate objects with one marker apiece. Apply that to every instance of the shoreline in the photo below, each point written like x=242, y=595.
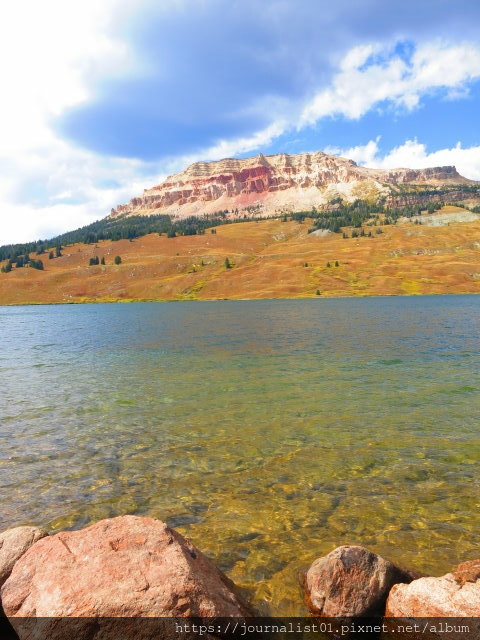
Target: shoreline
x=267, y=260
x=159, y=574
x=200, y=300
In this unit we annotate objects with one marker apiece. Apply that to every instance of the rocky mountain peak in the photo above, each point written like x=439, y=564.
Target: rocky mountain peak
x=272, y=184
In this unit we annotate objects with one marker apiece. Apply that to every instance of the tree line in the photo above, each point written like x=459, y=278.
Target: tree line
x=122, y=228
x=332, y=216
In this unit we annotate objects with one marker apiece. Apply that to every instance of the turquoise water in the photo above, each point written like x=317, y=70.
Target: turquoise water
x=269, y=432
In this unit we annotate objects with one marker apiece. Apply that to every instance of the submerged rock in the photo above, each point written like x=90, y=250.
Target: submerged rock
x=351, y=582
x=121, y=567
x=13, y=544
x=454, y=594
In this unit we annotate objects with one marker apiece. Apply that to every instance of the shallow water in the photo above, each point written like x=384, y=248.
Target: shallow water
x=267, y=431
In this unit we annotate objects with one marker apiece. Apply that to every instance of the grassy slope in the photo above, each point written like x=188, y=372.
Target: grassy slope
x=268, y=258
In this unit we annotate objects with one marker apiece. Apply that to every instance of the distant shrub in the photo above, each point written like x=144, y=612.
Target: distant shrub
x=117, y=260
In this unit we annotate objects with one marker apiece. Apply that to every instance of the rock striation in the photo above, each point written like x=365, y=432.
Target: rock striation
x=273, y=183
x=351, y=582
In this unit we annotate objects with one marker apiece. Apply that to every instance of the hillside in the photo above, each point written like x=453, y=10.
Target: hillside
x=269, y=259
x=271, y=185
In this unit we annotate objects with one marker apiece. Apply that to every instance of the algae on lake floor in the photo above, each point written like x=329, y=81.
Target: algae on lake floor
x=269, y=432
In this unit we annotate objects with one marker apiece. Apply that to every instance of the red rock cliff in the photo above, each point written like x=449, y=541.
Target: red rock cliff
x=271, y=184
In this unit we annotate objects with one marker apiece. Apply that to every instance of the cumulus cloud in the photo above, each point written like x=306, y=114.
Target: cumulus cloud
x=414, y=155
x=51, y=55
x=103, y=99
x=366, y=80
x=59, y=188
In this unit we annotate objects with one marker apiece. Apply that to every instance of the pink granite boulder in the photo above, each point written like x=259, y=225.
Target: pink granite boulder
x=13, y=544
x=122, y=567
x=454, y=594
x=351, y=582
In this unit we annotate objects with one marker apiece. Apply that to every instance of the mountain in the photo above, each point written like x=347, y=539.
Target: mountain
x=267, y=259
x=278, y=183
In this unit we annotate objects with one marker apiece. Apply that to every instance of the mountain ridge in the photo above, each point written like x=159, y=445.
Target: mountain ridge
x=277, y=183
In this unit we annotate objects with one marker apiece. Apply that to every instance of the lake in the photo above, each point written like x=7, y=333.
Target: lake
x=268, y=431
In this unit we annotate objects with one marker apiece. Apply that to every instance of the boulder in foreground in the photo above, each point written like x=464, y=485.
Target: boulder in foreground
x=13, y=544
x=351, y=582
x=121, y=567
x=455, y=594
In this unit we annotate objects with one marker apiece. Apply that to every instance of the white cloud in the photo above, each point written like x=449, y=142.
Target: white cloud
x=81, y=187
x=51, y=55
x=259, y=140
x=51, y=52
x=362, y=154
x=414, y=155
x=359, y=86
x=55, y=55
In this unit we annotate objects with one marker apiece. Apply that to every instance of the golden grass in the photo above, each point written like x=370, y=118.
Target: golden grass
x=268, y=258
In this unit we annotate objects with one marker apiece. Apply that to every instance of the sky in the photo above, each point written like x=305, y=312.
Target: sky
x=104, y=98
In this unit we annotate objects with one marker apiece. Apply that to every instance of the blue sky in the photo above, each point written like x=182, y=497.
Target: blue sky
x=108, y=97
